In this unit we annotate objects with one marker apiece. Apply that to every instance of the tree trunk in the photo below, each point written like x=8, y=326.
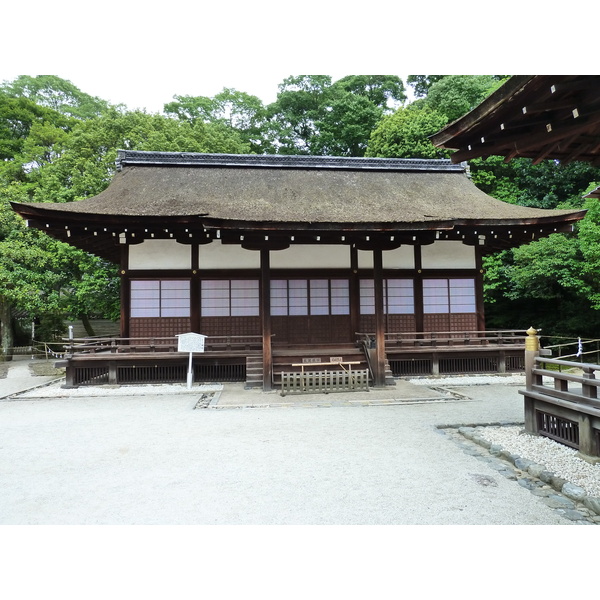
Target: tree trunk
x=6, y=329
x=87, y=325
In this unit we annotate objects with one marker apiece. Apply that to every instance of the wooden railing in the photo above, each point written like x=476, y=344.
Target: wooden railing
x=450, y=352
x=568, y=409
x=158, y=344
x=437, y=339
x=575, y=349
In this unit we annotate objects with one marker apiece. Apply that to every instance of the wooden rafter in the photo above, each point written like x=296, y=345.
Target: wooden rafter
x=538, y=117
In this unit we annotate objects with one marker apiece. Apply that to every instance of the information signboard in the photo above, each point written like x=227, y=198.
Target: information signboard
x=190, y=342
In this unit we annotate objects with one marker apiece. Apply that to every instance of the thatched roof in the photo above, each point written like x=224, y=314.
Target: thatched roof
x=299, y=190
x=187, y=196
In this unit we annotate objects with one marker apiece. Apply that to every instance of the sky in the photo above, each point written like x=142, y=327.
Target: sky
x=141, y=54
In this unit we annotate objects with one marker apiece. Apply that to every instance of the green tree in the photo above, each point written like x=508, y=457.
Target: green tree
x=551, y=283
x=241, y=112
x=314, y=115
x=545, y=185
x=58, y=94
x=456, y=95
x=50, y=280
x=405, y=134
x=385, y=91
x=421, y=83
x=293, y=117
x=344, y=129
x=17, y=118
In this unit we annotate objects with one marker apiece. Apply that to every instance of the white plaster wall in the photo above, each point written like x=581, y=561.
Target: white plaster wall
x=400, y=258
x=227, y=256
x=311, y=257
x=448, y=255
x=160, y=254
x=365, y=259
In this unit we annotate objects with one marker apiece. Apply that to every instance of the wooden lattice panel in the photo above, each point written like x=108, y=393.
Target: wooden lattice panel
x=450, y=322
x=224, y=326
x=393, y=323
x=311, y=329
x=147, y=327
x=400, y=323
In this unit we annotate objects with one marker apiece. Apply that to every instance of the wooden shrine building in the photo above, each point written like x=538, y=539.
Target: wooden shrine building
x=298, y=253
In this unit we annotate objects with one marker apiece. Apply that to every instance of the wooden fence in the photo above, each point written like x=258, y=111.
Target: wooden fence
x=565, y=407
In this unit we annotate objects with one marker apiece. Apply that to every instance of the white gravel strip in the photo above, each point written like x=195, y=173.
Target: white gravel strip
x=460, y=380
x=557, y=458
x=57, y=391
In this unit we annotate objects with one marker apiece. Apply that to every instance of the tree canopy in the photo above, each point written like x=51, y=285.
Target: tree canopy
x=51, y=156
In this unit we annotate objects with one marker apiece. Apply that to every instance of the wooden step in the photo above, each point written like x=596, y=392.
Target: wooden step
x=254, y=372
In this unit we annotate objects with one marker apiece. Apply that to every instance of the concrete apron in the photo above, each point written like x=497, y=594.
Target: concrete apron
x=234, y=395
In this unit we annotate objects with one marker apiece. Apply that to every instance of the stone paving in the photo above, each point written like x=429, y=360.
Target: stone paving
x=568, y=500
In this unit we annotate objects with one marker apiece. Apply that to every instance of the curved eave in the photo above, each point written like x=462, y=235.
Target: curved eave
x=536, y=116
x=54, y=219
x=105, y=235
x=448, y=136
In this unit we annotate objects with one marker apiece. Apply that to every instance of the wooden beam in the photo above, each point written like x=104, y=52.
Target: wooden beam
x=479, y=289
x=379, y=374
x=195, y=282
x=418, y=289
x=354, y=292
x=523, y=141
x=265, y=316
x=125, y=292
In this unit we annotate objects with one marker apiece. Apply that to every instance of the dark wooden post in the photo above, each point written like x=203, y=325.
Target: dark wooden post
x=125, y=291
x=354, y=293
x=418, y=290
x=479, y=290
x=532, y=350
x=265, y=315
x=195, y=290
x=587, y=438
x=379, y=319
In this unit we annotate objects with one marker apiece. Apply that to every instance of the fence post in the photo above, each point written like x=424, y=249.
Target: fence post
x=587, y=441
x=588, y=391
x=532, y=350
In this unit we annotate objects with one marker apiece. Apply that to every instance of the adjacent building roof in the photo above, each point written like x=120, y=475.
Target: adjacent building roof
x=191, y=195
x=533, y=116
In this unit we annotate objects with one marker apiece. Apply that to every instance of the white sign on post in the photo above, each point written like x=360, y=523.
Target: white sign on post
x=190, y=342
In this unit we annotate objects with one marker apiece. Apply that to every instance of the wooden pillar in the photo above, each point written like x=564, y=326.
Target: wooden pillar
x=195, y=290
x=587, y=437
x=532, y=350
x=379, y=366
x=479, y=289
x=125, y=291
x=354, y=293
x=418, y=290
x=265, y=316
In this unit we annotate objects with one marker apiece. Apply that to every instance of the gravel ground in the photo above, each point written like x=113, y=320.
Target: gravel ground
x=148, y=455
x=557, y=458
x=462, y=380
x=155, y=459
